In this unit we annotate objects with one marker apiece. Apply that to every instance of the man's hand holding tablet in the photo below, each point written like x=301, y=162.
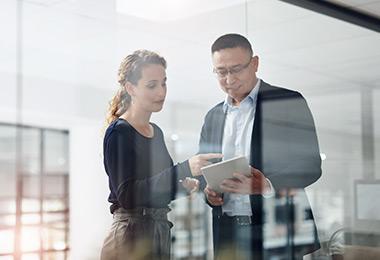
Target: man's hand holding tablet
x=216, y=173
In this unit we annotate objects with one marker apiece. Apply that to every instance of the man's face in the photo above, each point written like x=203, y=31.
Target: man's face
x=236, y=71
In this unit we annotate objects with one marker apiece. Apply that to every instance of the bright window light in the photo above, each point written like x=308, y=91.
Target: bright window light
x=7, y=239
x=174, y=137
x=169, y=10
x=30, y=238
x=30, y=257
x=59, y=245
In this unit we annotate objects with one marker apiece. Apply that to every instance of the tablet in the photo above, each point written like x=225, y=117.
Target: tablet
x=217, y=172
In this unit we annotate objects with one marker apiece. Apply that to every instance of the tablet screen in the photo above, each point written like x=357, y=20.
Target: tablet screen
x=217, y=172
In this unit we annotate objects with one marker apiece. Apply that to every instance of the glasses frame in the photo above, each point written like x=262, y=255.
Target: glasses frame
x=223, y=72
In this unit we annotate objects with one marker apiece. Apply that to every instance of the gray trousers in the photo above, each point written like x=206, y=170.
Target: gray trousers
x=142, y=233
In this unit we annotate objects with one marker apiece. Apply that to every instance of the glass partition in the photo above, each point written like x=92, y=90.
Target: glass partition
x=58, y=67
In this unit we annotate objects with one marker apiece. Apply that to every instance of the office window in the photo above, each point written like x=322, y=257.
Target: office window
x=34, y=193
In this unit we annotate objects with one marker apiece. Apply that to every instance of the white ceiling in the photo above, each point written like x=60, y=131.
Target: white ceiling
x=76, y=45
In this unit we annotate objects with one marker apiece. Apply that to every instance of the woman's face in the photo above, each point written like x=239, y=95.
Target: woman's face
x=150, y=92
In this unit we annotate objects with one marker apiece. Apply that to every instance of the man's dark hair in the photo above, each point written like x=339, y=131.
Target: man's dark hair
x=231, y=40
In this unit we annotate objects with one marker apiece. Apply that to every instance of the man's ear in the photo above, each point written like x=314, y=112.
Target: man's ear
x=130, y=88
x=255, y=62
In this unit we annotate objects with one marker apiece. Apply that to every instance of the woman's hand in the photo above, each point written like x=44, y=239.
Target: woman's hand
x=190, y=184
x=198, y=161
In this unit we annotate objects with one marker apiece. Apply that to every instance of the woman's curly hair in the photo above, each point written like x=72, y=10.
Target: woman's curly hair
x=130, y=70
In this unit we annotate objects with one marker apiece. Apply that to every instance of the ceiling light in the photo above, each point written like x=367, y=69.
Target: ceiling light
x=169, y=10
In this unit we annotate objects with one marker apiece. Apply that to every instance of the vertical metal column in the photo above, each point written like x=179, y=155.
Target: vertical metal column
x=189, y=221
x=290, y=218
x=18, y=213
x=368, y=139
x=67, y=213
x=41, y=184
x=67, y=206
x=19, y=86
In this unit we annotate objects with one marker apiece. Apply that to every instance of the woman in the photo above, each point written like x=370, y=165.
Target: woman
x=142, y=177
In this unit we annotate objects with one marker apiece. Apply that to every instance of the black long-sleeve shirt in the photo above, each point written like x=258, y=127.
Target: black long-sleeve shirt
x=140, y=170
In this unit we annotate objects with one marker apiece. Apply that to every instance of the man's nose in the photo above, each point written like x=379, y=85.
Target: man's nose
x=230, y=78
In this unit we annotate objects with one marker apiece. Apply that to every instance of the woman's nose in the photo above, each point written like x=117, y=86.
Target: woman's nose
x=162, y=92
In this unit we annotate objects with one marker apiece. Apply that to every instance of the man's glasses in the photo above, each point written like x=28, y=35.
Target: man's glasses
x=222, y=73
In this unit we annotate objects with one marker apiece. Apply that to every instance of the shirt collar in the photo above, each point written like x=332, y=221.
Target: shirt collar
x=252, y=96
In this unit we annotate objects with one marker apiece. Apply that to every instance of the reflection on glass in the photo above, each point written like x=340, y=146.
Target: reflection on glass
x=7, y=221
x=31, y=186
x=54, y=205
x=199, y=243
x=7, y=158
x=190, y=228
x=7, y=205
x=30, y=158
x=7, y=241
x=31, y=205
x=54, y=256
x=30, y=238
x=7, y=184
x=37, y=220
x=54, y=238
x=29, y=219
x=56, y=150
x=30, y=257
x=54, y=186
x=54, y=218
x=6, y=258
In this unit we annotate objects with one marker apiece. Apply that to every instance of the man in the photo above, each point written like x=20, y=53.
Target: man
x=274, y=129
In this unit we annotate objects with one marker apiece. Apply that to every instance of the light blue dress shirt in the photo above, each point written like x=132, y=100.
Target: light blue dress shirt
x=237, y=137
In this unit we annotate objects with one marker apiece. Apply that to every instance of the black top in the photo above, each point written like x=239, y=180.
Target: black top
x=140, y=169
